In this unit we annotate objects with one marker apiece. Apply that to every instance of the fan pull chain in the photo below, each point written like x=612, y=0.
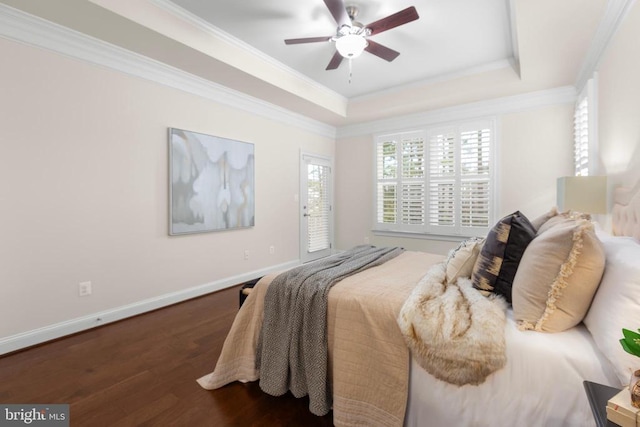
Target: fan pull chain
x=350, y=71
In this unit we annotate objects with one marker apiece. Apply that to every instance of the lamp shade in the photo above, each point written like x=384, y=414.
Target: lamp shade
x=586, y=194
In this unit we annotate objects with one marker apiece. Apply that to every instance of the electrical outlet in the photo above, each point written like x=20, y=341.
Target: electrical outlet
x=246, y=255
x=272, y=250
x=84, y=289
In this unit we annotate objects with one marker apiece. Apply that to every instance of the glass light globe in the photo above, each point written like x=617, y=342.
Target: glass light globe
x=351, y=45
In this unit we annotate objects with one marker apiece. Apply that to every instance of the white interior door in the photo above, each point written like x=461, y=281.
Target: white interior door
x=316, y=223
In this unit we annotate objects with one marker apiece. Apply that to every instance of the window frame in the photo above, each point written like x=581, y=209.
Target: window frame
x=425, y=229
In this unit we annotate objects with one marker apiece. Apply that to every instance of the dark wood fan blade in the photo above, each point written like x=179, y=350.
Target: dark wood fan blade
x=381, y=51
x=338, y=11
x=407, y=15
x=335, y=62
x=308, y=40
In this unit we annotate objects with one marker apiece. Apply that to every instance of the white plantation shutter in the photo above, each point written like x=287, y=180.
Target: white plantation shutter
x=581, y=137
x=318, y=207
x=475, y=201
x=412, y=201
x=388, y=203
x=442, y=179
x=387, y=173
x=475, y=177
x=585, y=131
x=437, y=181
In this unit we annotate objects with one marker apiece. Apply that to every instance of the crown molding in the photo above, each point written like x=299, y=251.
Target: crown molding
x=509, y=104
x=512, y=62
x=22, y=27
x=614, y=14
x=207, y=27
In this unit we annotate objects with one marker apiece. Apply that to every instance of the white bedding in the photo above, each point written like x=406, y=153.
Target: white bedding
x=541, y=384
x=538, y=364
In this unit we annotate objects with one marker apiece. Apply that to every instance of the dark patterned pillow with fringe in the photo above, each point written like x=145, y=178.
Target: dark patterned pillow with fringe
x=498, y=261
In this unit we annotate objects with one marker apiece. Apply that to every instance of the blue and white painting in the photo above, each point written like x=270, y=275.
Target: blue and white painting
x=212, y=183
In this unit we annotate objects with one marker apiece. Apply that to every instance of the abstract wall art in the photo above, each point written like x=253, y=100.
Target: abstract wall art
x=211, y=183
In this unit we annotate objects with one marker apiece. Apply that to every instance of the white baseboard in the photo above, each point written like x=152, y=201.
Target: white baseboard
x=72, y=326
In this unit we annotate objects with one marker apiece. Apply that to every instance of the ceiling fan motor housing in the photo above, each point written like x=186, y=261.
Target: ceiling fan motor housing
x=352, y=11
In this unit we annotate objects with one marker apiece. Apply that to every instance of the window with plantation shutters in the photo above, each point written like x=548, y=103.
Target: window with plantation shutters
x=584, y=130
x=436, y=181
x=400, y=192
x=581, y=137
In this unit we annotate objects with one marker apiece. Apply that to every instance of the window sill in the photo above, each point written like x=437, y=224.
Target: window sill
x=423, y=236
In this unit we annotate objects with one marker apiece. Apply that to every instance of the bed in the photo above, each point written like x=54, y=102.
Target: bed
x=375, y=381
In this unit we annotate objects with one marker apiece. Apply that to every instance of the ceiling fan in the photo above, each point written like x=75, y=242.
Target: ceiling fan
x=352, y=38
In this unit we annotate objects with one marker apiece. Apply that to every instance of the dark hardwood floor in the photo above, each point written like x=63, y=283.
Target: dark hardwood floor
x=143, y=371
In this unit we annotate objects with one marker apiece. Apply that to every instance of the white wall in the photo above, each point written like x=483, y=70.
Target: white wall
x=83, y=187
x=535, y=147
x=619, y=104
x=84, y=190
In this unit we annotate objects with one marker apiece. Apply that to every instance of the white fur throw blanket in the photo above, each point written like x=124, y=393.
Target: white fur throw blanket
x=454, y=332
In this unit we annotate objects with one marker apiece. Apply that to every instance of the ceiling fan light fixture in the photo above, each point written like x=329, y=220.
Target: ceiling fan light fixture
x=351, y=45
x=351, y=37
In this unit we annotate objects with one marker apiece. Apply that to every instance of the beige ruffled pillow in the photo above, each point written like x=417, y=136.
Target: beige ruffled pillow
x=558, y=275
x=561, y=217
x=462, y=259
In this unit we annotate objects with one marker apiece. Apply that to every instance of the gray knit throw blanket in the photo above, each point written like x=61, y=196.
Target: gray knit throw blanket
x=292, y=347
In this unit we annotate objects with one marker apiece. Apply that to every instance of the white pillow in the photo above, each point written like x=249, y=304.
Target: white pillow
x=616, y=304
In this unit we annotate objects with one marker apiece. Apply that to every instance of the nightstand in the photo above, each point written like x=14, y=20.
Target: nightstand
x=598, y=396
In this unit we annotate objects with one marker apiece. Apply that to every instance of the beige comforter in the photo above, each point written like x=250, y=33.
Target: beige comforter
x=369, y=360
